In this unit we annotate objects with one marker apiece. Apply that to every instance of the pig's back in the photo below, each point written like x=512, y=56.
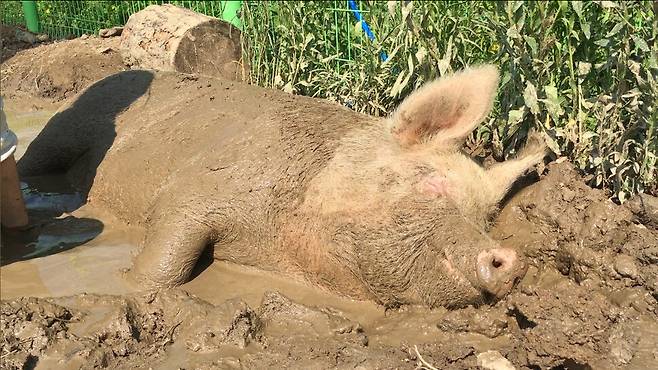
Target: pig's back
x=209, y=138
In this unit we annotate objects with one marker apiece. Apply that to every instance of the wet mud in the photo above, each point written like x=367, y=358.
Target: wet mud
x=589, y=299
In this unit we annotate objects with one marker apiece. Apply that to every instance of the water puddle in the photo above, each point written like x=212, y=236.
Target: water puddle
x=49, y=201
x=26, y=122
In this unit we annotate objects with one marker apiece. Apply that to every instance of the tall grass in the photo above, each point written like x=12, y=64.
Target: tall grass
x=583, y=73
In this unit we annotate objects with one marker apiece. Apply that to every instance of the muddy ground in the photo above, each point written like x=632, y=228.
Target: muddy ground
x=53, y=71
x=589, y=299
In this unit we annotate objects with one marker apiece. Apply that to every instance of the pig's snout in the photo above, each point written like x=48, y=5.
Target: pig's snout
x=498, y=270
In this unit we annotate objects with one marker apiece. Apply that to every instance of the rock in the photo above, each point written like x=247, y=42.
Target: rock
x=110, y=32
x=625, y=266
x=568, y=195
x=623, y=345
x=645, y=207
x=493, y=360
x=25, y=36
x=104, y=50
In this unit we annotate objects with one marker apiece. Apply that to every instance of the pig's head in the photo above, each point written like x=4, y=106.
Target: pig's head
x=425, y=252
x=409, y=203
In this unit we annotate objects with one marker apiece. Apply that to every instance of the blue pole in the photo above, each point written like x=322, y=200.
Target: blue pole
x=357, y=14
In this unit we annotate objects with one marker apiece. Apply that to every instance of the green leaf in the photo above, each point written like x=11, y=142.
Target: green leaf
x=550, y=140
x=515, y=116
x=410, y=63
x=513, y=33
x=602, y=42
x=391, y=5
x=552, y=102
x=420, y=54
x=578, y=8
x=358, y=28
x=586, y=31
x=406, y=9
x=395, y=90
x=532, y=43
x=640, y=43
x=584, y=68
x=506, y=78
x=589, y=134
x=615, y=29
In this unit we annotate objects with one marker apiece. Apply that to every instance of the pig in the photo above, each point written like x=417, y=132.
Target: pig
x=383, y=209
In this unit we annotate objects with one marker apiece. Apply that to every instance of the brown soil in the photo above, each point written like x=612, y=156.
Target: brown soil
x=589, y=299
x=9, y=45
x=58, y=70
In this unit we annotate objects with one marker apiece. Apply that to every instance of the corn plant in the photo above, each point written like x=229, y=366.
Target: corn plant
x=582, y=73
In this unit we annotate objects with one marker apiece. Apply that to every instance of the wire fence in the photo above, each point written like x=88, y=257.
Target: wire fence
x=70, y=19
x=67, y=19
x=340, y=21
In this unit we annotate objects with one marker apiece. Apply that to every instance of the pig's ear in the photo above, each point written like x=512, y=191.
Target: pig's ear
x=445, y=111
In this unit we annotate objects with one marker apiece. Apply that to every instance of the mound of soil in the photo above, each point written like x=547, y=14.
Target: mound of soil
x=562, y=223
x=59, y=70
x=588, y=301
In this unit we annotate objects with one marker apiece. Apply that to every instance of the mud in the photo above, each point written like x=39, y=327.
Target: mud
x=589, y=299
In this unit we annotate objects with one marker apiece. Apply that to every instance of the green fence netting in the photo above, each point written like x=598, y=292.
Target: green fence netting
x=68, y=19
x=64, y=19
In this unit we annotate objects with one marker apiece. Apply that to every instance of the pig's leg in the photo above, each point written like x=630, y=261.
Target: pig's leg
x=171, y=249
x=501, y=176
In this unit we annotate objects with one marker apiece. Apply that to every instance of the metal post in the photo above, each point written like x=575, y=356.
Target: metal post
x=230, y=12
x=31, y=16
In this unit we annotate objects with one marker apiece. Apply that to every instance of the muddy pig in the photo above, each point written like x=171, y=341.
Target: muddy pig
x=384, y=209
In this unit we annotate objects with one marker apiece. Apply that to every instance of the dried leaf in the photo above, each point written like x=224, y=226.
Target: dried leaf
x=530, y=97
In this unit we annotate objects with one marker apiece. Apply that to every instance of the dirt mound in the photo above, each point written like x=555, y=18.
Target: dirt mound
x=560, y=222
x=142, y=330
x=59, y=70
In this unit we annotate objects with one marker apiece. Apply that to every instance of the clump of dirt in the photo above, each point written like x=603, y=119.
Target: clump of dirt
x=113, y=331
x=60, y=69
x=563, y=223
x=29, y=326
x=10, y=44
x=141, y=330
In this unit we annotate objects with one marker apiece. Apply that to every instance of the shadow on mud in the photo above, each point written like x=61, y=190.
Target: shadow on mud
x=75, y=141
x=59, y=167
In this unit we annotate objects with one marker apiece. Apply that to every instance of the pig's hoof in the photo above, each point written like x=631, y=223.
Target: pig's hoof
x=498, y=270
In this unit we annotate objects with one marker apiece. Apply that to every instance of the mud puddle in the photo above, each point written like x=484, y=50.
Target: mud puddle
x=27, y=120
